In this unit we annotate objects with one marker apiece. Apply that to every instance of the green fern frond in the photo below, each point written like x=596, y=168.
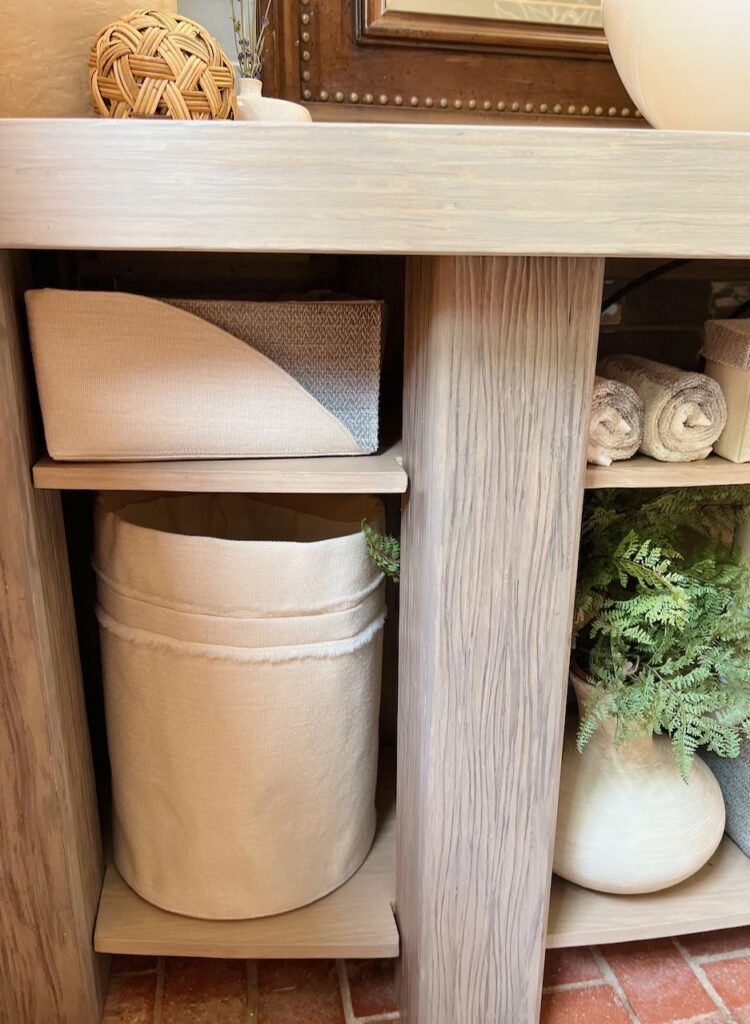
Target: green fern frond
x=663, y=618
x=384, y=550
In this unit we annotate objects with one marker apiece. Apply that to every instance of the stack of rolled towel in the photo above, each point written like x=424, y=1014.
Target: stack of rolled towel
x=682, y=413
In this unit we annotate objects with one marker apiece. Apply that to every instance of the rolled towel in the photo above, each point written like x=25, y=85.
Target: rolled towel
x=684, y=413
x=616, y=422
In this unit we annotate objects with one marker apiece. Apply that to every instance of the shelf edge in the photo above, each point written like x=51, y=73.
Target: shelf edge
x=365, y=474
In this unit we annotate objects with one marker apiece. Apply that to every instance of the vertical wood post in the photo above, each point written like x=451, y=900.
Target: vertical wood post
x=500, y=356
x=50, y=847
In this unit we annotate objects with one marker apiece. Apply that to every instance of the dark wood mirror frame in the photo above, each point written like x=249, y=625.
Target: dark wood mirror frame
x=353, y=60
x=377, y=23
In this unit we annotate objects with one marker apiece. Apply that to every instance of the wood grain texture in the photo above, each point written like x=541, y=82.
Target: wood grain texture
x=361, y=474
x=354, y=921
x=499, y=372
x=642, y=471
x=413, y=189
x=50, y=861
x=717, y=897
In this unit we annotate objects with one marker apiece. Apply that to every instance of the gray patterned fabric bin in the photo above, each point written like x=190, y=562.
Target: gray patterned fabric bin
x=124, y=377
x=331, y=348
x=734, y=779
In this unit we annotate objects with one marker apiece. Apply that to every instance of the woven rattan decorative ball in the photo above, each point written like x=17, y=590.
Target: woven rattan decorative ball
x=156, y=64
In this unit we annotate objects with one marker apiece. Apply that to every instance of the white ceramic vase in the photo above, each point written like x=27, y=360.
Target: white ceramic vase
x=684, y=62
x=252, y=105
x=627, y=823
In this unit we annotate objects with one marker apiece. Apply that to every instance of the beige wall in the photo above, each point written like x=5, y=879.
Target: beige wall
x=44, y=47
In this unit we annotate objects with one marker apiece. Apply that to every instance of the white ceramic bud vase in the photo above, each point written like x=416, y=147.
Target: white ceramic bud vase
x=252, y=105
x=684, y=62
x=627, y=823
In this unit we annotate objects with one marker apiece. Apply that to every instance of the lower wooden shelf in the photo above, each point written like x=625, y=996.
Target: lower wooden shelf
x=642, y=471
x=356, y=920
x=717, y=897
x=346, y=474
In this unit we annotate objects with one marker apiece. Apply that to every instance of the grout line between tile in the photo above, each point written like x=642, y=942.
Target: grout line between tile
x=346, y=995
x=159, y=996
x=251, y=967
x=702, y=1018
x=574, y=986
x=704, y=980
x=715, y=958
x=609, y=975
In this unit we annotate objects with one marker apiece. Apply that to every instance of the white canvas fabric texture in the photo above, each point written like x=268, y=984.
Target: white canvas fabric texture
x=241, y=648
x=734, y=442
x=727, y=351
x=122, y=377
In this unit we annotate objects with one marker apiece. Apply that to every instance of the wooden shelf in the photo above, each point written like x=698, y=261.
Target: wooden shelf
x=354, y=921
x=717, y=897
x=363, y=474
x=373, y=188
x=645, y=472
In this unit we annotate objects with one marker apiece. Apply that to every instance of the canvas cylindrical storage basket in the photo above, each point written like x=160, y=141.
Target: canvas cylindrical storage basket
x=241, y=649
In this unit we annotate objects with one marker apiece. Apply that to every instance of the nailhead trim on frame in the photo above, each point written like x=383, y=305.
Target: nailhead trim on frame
x=428, y=103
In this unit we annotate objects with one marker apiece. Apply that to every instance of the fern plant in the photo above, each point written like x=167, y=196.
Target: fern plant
x=385, y=551
x=662, y=628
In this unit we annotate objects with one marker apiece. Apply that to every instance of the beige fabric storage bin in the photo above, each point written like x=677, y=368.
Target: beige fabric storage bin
x=727, y=351
x=122, y=377
x=241, y=650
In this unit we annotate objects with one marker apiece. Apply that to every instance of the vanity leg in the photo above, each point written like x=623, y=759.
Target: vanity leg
x=500, y=358
x=50, y=847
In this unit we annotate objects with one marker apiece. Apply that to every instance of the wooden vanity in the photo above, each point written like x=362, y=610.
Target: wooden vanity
x=506, y=231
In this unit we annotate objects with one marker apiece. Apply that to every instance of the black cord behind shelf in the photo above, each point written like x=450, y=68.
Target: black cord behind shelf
x=652, y=275
x=638, y=282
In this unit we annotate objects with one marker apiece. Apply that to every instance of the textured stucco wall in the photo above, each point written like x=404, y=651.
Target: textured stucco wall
x=44, y=47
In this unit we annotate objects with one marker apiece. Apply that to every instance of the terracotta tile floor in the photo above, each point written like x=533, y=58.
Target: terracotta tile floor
x=699, y=979
x=176, y=991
